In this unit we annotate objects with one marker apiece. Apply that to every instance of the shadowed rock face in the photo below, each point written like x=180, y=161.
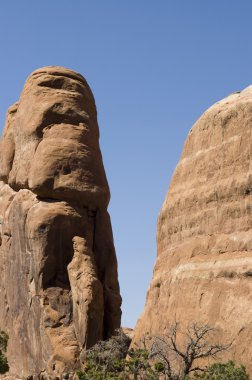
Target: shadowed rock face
x=203, y=270
x=59, y=291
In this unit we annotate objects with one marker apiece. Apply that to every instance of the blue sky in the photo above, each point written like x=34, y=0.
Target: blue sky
x=154, y=67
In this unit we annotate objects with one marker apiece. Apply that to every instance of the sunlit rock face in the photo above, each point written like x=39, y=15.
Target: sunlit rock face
x=51, y=140
x=203, y=270
x=59, y=291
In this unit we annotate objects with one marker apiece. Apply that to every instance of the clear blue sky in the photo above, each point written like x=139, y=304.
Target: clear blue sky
x=154, y=67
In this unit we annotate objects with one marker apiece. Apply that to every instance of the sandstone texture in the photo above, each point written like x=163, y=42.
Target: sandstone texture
x=59, y=291
x=203, y=271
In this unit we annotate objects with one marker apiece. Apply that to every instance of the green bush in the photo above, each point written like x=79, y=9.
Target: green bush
x=159, y=367
x=105, y=360
x=136, y=366
x=4, y=367
x=223, y=371
x=112, y=360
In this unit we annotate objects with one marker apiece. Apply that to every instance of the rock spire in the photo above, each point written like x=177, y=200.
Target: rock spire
x=59, y=291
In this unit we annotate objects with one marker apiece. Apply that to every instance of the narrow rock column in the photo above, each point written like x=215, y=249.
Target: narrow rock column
x=59, y=291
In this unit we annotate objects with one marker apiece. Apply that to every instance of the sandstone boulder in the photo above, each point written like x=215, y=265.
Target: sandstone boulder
x=203, y=271
x=59, y=291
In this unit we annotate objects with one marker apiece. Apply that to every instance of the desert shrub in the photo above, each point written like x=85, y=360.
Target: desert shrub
x=138, y=365
x=106, y=355
x=223, y=371
x=4, y=367
x=107, y=360
x=167, y=359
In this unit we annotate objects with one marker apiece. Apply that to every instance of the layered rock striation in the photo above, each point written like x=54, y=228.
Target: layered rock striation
x=59, y=291
x=203, y=271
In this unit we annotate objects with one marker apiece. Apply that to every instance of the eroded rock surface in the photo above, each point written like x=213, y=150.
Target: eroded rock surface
x=203, y=270
x=59, y=286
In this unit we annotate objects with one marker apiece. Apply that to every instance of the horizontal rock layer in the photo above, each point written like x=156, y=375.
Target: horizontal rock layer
x=203, y=270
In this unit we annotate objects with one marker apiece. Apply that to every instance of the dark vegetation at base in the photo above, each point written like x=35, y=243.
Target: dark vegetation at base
x=164, y=359
x=4, y=367
x=223, y=371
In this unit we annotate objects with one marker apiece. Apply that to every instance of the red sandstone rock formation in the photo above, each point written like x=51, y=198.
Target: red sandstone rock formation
x=203, y=270
x=59, y=287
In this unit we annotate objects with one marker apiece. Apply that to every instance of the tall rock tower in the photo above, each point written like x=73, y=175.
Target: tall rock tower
x=203, y=271
x=59, y=291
